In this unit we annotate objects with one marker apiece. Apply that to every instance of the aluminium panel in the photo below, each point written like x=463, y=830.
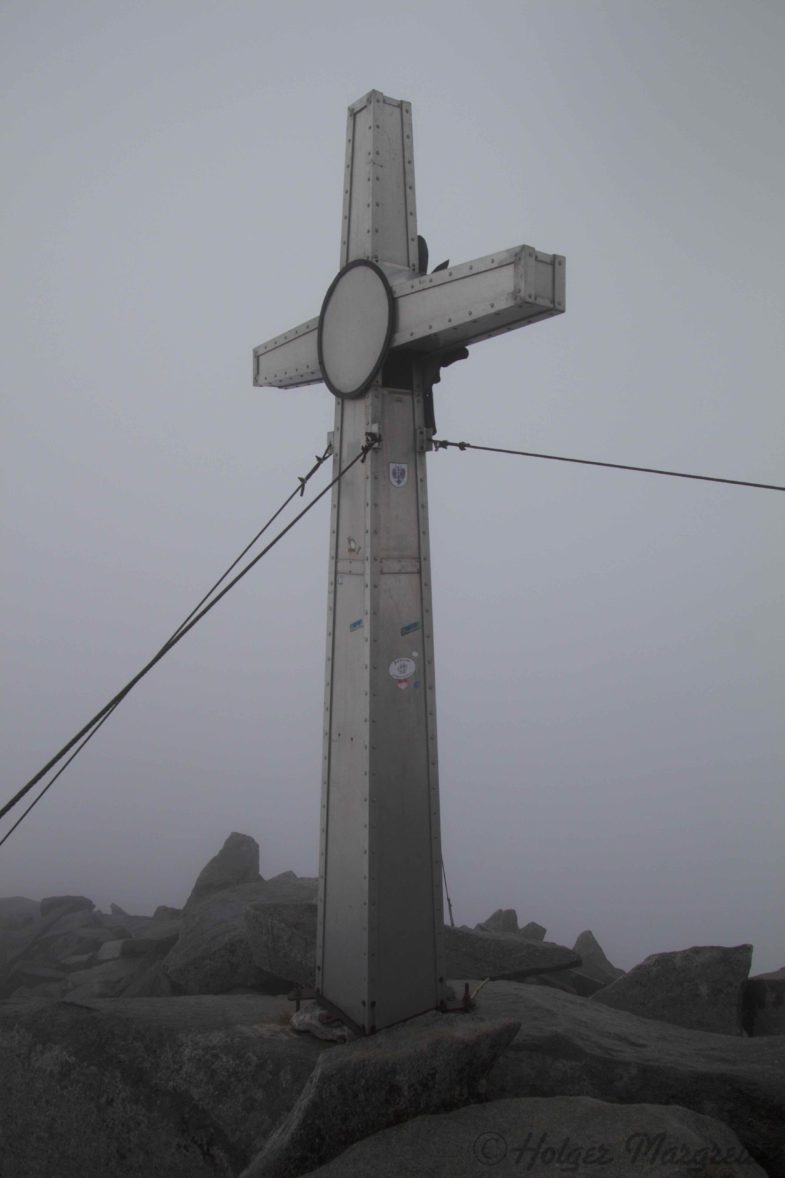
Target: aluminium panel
x=342, y=928
x=405, y=908
x=290, y=359
x=540, y=278
x=379, y=213
x=476, y=300
x=403, y=822
x=380, y=866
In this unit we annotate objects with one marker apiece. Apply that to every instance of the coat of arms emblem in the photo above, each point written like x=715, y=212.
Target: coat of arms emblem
x=399, y=474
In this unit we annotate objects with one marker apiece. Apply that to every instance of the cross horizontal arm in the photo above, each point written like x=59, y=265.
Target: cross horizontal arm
x=290, y=359
x=437, y=312
x=476, y=300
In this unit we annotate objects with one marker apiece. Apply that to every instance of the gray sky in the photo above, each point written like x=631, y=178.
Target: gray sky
x=609, y=646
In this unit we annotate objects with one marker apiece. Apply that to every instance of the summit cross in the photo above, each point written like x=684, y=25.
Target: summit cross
x=385, y=329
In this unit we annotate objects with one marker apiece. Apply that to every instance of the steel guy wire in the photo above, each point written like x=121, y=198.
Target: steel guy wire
x=196, y=615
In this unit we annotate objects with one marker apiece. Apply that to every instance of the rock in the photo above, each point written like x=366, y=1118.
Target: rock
x=117, y=911
x=78, y=961
x=66, y=938
x=543, y=1137
x=429, y=1064
x=213, y=954
x=130, y=925
x=66, y=903
x=503, y=920
x=31, y=977
x=236, y=863
x=59, y=923
x=595, y=963
x=16, y=912
x=288, y=888
x=764, y=1004
x=283, y=940
x=105, y=980
x=117, y=932
x=699, y=988
x=150, y=947
x=109, y=951
x=37, y=996
x=571, y=981
x=150, y=981
x=534, y=931
x=206, y=1085
x=47, y=942
x=47, y=929
x=182, y=1088
x=164, y=912
x=81, y=945
x=472, y=954
x=164, y=932
x=568, y=1046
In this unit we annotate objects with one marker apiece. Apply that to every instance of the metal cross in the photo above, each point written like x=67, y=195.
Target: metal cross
x=385, y=329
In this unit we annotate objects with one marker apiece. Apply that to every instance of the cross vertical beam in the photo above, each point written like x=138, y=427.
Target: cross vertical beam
x=380, y=896
x=379, y=210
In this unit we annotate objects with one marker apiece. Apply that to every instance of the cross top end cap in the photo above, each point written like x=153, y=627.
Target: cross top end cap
x=355, y=328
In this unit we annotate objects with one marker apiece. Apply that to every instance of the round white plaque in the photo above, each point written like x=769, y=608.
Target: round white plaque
x=355, y=328
x=402, y=668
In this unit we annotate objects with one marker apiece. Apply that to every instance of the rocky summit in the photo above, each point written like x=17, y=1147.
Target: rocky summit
x=144, y=1046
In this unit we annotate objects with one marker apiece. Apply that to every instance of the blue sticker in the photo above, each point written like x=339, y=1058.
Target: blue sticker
x=412, y=626
x=356, y=625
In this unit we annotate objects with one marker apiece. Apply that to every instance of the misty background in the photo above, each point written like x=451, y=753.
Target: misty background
x=609, y=645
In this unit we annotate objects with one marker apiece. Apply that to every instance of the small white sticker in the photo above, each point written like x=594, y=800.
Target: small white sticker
x=399, y=473
x=402, y=668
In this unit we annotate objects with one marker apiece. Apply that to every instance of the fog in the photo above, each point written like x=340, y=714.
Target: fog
x=609, y=645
